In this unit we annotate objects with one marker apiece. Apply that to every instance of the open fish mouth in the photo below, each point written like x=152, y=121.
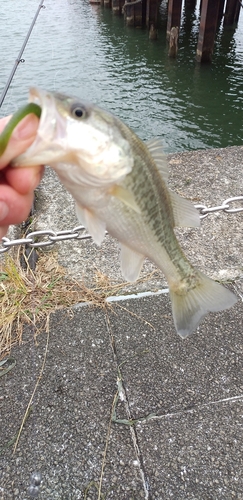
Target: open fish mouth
x=49, y=144
x=37, y=96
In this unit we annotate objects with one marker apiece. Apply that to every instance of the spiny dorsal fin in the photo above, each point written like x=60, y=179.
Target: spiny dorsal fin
x=155, y=147
x=185, y=214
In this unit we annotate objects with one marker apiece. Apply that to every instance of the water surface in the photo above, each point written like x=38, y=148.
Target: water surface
x=86, y=51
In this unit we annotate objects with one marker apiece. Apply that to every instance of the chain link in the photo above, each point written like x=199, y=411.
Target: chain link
x=77, y=233
x=50, y=237
x=204, y=211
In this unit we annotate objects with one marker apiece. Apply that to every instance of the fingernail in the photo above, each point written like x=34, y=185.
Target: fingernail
x=4, y=210
x=26, y=128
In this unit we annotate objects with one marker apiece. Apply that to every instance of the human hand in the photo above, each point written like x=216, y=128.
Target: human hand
x=17, y=184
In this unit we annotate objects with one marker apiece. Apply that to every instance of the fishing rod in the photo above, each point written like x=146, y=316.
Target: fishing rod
x=19, y=58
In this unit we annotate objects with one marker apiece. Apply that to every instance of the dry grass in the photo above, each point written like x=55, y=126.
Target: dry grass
x=28, y=297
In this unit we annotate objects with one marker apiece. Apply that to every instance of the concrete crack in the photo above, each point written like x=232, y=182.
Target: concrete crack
x=122, y=395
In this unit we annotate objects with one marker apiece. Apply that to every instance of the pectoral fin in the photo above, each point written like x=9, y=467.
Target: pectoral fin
x=125, y=196
x=95, y=226
x=131, y=263
x=80, y=212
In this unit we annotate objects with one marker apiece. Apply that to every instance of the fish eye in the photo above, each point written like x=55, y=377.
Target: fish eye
x=77, y=111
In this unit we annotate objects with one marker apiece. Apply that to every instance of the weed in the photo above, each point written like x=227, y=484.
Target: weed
x=29, y=297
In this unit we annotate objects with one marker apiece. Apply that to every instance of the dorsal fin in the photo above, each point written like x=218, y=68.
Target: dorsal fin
x=155, y=147
x=185, y=215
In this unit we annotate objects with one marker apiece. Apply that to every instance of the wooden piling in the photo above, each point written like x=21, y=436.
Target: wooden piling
x=174, y=15
x=190, y=4
x=232, y=13
x=207, y=30
x=152, y=7
x=133, y=12
x=117, y=6
x=173, y=42
x=138, y=14
x=153, y=32
x=221, y=10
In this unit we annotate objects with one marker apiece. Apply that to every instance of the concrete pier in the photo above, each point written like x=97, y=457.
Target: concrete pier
x=173, y=429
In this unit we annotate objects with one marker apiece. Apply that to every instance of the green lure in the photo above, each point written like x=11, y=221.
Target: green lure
x=14, y=121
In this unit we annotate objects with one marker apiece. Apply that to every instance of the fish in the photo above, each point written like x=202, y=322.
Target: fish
x=120, y=184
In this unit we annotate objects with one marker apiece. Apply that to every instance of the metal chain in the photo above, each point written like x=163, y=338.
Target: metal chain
x=51, y=237
x=204, y=210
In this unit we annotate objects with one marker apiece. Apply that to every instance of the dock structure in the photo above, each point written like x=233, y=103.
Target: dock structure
x=211, y=14
x=117, y=6
x=140, y=13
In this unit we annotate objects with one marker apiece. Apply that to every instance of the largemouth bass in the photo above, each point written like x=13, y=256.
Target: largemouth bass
x=119, y=183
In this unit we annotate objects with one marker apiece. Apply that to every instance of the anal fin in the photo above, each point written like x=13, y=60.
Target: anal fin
x=131, y=263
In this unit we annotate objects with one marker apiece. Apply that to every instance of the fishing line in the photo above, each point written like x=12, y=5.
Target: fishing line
x=19, y=58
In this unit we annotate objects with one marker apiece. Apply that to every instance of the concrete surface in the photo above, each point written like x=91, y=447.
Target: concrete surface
x=190, y=447
x=184, y=398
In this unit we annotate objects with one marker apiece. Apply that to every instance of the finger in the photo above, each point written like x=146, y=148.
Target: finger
x=3, y=231
x=21, y=138
x=24, y=180
x=14, y=207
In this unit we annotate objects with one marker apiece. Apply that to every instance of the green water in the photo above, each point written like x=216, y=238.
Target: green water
x=86, y=51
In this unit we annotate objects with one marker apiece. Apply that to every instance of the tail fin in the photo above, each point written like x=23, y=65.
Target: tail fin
x=189, y=309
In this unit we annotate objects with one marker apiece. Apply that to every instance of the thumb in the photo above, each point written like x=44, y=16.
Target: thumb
x=22, y=137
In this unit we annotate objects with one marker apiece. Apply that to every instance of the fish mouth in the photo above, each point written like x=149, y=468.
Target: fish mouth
x=47, y=146
x=36, y=95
